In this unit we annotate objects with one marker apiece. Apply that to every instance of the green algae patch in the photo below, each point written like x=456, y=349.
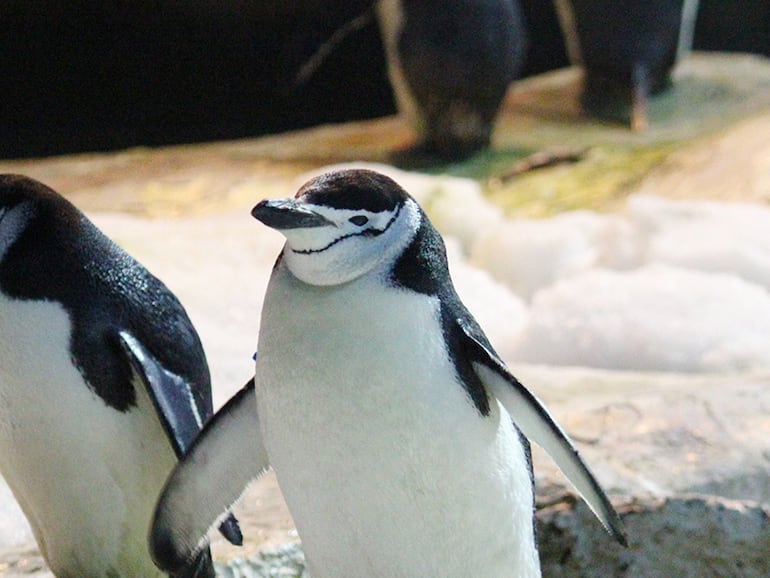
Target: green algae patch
x=540, y=183
x=599, y=180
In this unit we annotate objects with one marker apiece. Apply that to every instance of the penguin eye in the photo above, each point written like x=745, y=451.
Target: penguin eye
x=359, y=220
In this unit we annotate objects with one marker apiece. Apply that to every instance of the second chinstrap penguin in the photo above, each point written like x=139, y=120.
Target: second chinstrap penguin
x=103, y=382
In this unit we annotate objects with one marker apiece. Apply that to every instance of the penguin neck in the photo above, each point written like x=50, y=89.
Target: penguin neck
x=376, y=276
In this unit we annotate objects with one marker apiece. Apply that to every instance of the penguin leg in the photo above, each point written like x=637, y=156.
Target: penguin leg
x=640, y=88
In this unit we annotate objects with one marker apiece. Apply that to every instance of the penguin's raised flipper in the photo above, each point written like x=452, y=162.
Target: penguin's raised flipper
x=226, y=456
x=534, y=421
x=175, y=405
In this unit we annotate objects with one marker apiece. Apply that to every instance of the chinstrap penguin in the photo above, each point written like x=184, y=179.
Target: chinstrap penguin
x=394, y=429
x=103, y=384
x=450, y=63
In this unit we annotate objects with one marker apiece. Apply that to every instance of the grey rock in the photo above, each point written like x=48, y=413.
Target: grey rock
x=285, y=562
x=684, y=537
x=660, y=435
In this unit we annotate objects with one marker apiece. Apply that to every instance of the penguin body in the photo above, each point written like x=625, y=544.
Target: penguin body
x=103, y=383
x=408, y=476
x=389, y=420
x=627, y=50
x=450, y=63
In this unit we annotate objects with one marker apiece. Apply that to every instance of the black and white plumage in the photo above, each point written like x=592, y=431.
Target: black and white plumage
x=450, y=63
x=394, y=429
x=103, y=383
x=627, y=50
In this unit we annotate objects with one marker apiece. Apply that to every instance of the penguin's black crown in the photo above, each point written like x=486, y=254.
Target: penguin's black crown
x=354, y=189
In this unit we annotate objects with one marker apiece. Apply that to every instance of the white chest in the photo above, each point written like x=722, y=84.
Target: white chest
x=385, y=463
x=83, y=473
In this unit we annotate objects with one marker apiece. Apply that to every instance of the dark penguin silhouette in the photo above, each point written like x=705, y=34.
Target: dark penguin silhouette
x=103, y=386
x=450, y=63
x=627, y=49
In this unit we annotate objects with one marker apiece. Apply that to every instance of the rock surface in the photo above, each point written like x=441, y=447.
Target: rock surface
x=686, y=537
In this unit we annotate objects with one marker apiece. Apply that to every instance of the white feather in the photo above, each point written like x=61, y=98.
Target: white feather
x=85, y=475
x=386, y=465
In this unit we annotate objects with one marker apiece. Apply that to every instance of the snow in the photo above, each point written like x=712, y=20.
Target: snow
x=500, y=312
x=707, y=236
x=653, y=318
x=662, y=285
x=14, y=528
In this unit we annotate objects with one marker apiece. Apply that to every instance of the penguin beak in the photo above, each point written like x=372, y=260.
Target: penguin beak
x=284, y=214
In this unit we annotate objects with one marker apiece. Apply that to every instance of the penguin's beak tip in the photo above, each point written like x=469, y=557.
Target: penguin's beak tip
x=258, y=210
x=287, y=214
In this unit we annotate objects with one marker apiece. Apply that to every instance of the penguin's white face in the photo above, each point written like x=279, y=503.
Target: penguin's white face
x=342, y=225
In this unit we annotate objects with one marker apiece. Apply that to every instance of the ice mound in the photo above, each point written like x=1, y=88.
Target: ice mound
x=653, y=318
x=708, y=236
x=531, y=254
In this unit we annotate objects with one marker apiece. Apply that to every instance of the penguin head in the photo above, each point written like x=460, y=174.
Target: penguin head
x=17, y=207
x=342, y=225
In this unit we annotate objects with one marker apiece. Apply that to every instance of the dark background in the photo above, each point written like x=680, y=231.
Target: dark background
x=80, y=75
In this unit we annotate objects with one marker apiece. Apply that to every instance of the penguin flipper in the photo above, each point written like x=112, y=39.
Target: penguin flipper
x=227, y=456
x=175, y=405
x=170, y=394
x=534, y=421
